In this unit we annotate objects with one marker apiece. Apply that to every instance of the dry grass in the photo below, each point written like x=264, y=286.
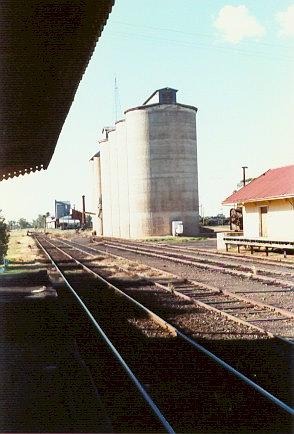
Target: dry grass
x=170, y=239
x=22, y=248
x=69, y=233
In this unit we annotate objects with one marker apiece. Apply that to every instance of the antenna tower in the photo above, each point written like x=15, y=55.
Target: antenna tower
x=117, y=106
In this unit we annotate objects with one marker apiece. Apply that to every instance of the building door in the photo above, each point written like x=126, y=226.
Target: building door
x=263, y=221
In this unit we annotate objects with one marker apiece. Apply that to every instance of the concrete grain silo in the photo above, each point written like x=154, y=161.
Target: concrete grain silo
x=97, y=193
x=149, y=172
x=106, y=185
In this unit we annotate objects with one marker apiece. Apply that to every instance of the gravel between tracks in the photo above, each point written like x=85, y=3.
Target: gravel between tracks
x=270, y=294
x=251, y=352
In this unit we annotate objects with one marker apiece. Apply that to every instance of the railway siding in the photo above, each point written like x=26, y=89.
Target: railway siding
x=224, y=399
x=261, y=317
x=264, y=292
x=196, y=321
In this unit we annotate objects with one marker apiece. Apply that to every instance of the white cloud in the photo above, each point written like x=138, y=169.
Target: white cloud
x=235, y=23
x=286, y=21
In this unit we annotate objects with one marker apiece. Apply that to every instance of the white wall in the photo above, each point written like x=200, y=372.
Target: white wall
x=251, y=220
x=106, y=188
x=114, y=185
x=280, y=219
x=97, y=195
x=123, y=179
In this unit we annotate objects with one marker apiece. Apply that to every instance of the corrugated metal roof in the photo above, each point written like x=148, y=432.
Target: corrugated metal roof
x=273, y=184
x=45, y=48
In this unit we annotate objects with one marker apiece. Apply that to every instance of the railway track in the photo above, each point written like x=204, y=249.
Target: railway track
x=282, y=263
x=276, y=292
x=282, y=276
x=278, y=322
x=191, y=389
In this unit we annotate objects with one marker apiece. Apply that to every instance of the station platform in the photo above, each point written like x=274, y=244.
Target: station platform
x=44, y=385
x=259, y=242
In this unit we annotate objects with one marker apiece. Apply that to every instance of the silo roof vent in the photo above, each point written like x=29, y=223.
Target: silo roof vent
x=166, y=95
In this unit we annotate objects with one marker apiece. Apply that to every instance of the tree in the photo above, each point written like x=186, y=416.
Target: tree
x=24, y=224
x=89, y=221
x=12, y=224
x=247, y=180
x=39, y=222
x=4, y=238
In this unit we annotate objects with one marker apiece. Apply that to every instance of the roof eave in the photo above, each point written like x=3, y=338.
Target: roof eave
x=261, y=199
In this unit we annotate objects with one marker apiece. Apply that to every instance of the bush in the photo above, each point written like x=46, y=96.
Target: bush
x=4, y=238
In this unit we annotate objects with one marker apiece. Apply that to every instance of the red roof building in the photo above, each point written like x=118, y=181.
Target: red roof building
x=273, y=184
x=268, y=204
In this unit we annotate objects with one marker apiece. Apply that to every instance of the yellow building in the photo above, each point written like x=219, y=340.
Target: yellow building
x=268, y=205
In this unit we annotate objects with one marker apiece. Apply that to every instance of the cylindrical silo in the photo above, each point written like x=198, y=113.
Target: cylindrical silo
x=98, y=218
x=162, y=168
x=114, y=186
x=123, y=183
x=106, y=187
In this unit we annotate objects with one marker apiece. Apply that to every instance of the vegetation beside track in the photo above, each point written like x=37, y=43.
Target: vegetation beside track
x=23, y=254
x=170, y=239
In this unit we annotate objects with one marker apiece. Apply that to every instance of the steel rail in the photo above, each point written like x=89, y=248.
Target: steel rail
x=115, y=352
x=177, y=292
x=206, y=252
x=230, y=265
x=162, y=255
x=200, y=285
x=199, y=347
x=193, y=299
x=259, y=260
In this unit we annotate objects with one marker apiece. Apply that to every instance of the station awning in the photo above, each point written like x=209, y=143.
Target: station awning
x=44, y=51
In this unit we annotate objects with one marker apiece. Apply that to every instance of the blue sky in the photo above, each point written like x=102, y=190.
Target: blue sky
x=233, y=60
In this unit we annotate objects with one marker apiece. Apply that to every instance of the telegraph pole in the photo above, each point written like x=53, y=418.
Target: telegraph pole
x=244, y=175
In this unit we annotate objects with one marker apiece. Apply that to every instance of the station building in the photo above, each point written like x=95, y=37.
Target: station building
x=145, y=171
x=268, y=205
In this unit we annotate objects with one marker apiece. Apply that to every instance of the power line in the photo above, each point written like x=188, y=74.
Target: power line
x=203, y=45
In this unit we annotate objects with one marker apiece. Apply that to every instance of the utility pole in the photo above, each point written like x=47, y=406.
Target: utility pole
x=117, y=106
x=83, y=212
x=244, y=175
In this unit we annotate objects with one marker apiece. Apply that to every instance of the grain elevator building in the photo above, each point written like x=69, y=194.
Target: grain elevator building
x=145, y=173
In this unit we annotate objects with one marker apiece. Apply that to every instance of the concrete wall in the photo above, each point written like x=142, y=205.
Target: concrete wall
x=123, y=180
x=280, y=219
x=149, y=172
x=97, y=196
x=106, y=188
x=114, y=186
x=163, y=176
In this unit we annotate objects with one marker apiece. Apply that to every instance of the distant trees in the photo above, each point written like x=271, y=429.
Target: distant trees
x=4, y=238
x=24, y=224
x=39, y=222
x=89, y=221
x=12, y=224
x=241, y=183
